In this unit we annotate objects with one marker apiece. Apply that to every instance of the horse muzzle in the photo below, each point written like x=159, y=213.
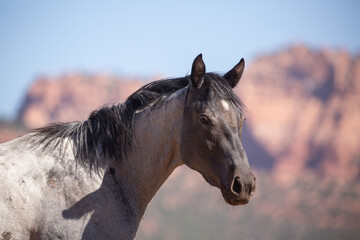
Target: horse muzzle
x=240, y=190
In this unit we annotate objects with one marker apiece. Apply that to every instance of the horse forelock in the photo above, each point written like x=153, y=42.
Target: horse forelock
x=216, y=89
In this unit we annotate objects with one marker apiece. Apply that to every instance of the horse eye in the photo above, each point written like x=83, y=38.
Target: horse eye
x=204, y=119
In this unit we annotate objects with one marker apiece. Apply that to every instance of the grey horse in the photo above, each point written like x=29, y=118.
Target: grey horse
x=94, y=179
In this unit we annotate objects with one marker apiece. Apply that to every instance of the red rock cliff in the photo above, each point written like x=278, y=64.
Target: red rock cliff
x=303, y=109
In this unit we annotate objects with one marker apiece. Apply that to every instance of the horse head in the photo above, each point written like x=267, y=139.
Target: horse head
x=210, y=139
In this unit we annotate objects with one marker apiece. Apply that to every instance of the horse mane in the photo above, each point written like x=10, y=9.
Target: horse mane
x=106, y=135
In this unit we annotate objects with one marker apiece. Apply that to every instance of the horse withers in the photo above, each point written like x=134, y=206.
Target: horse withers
x=93, y=179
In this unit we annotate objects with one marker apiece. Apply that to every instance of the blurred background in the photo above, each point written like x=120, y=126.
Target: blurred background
x=59, y=61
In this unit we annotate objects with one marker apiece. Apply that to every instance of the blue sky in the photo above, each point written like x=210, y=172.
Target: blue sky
x=145, y=38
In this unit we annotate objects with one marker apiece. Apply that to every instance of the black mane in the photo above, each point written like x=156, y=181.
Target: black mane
x=106, y=134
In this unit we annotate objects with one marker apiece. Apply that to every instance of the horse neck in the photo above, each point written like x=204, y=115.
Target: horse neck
x=155, y=150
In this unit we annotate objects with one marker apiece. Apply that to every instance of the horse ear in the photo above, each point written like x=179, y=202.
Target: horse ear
x=233, y=76
x=198, y=72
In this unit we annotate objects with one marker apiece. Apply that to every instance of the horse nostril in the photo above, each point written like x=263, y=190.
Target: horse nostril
x=249, y=190
x=237, y=187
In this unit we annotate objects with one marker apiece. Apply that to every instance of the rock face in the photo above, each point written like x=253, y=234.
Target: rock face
x=304, y=108
x=72, y=97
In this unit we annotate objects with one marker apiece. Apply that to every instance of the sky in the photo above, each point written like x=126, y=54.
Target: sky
x=147, y=38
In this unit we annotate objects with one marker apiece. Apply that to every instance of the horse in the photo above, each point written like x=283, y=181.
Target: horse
x=94, y=179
